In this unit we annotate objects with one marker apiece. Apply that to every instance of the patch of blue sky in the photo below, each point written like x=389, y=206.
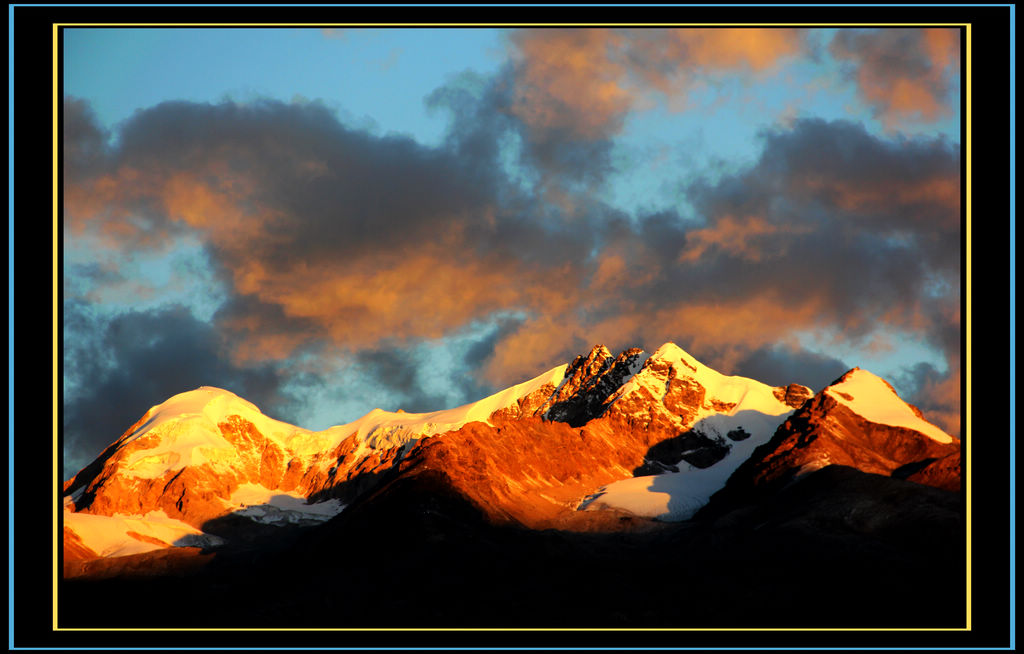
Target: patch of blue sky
x=326, y=394
x=117, y=281
x=335, y=396
x=443, y=369
x=372, y=77
x=510, y=153
x=835, y=82
x=717, y=131
x=338, y=389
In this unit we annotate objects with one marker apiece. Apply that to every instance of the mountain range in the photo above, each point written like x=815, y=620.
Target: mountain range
x=638, y=489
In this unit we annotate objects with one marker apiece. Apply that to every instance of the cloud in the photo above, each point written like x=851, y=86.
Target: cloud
x=743, y=238
x=936, y=394
x=905, y=75
x=570, y=80
x=864, y=228
x=566, y=93
x=84, y=140
x=483, y=349
x=583, y=82
x=780, y=365
x=536, y=345
x=416, y=379
x=835, y=173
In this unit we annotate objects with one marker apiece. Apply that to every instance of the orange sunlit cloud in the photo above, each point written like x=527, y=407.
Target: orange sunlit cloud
x=743, y=238
x=569, y=80
x=585, y=81
x=905, y=74
x=756, y=48
x=942, y=191
x=425, y=294
x=407, y=291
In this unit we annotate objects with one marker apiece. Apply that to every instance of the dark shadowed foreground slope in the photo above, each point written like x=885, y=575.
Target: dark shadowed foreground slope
x=837, y=548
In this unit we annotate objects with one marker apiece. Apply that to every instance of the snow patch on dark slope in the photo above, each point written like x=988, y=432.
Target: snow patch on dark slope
x=699, y=400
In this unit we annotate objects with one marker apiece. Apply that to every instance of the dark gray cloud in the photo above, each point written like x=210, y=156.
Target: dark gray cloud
x=485, y=130
x=835, y=172
x=333, y=189
x=780, y=366
x=935, y=393
x=402, y=375
x=868, y=228
x=85, y=142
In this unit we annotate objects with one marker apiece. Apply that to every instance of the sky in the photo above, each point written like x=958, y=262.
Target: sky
x=325, y=221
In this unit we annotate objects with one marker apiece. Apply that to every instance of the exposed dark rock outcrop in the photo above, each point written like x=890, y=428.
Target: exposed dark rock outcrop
x=590, y=381
x=793, y=395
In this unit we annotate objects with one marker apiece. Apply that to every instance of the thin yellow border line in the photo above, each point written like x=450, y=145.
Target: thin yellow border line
x=967, y=118
x=967, y=330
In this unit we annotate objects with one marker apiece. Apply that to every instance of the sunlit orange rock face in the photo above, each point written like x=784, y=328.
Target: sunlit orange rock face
x=944, y=473
x=532, y=404
x=196, y=494
x=531, y=472
x=641, y=411
x=74, y=549
x=536, y=469
x=95, y=470
x=825, y=432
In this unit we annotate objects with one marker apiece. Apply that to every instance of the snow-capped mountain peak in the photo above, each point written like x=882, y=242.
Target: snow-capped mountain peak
x=872, y=398
x=215, y=405
x=185, y=430
x=380, y=429
x=859, y=422
x=675, y=354
x=692, y=390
